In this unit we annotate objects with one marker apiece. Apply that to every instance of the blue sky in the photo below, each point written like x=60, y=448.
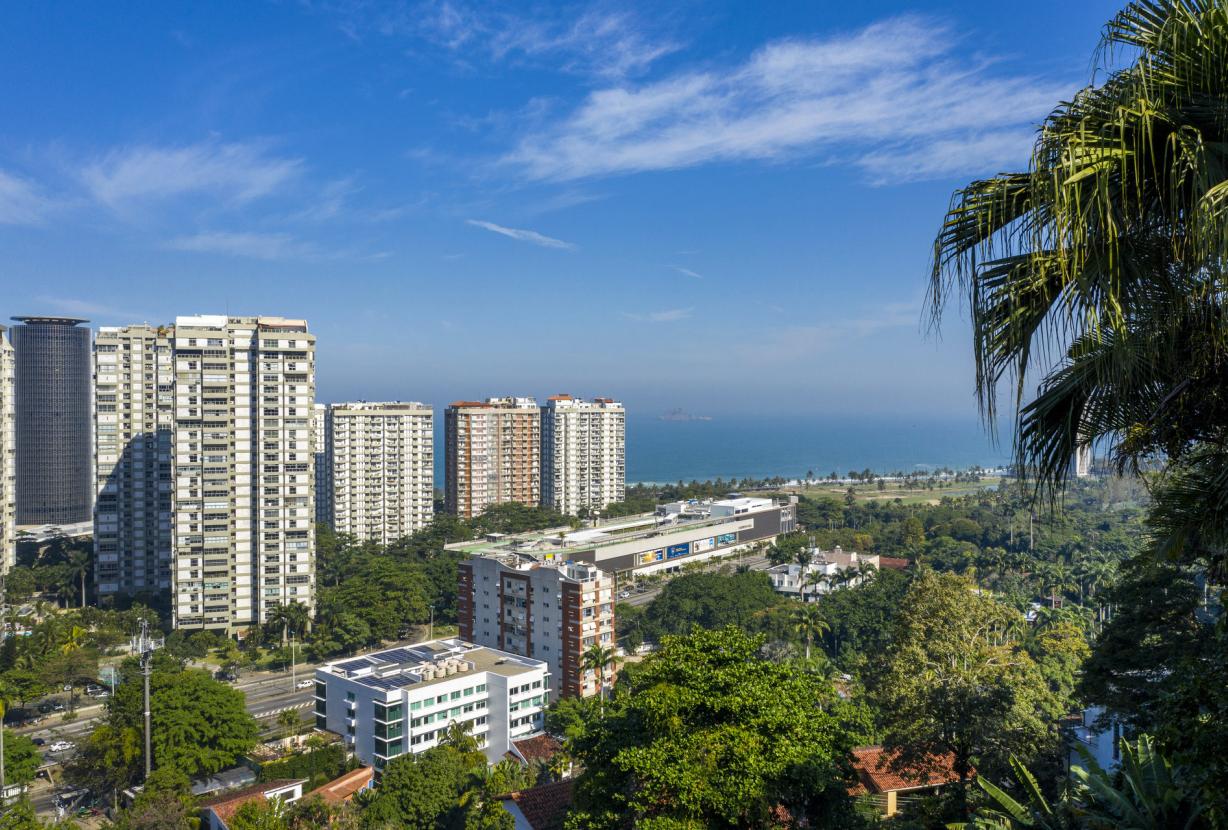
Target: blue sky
x=725, y=207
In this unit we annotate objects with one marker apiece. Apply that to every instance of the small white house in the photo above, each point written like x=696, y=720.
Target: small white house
x=827, y=570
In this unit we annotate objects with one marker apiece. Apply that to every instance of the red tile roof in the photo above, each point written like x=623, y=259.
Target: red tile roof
x=873, y=766
x=893, y=563
x=342, y=789
x=227, y=804
x=537, y=748
x=544, y=807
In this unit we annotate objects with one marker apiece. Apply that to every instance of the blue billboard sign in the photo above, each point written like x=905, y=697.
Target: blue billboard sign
x=674, y=551
x=727, y=538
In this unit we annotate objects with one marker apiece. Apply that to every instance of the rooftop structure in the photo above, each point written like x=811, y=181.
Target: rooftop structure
x=880, y=779
x=826, y=570
x=675, y=534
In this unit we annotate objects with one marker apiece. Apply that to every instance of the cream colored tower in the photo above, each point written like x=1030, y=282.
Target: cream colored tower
x=382, y=457
x=244, y=488
x=8, y=466
x=134, y=403
x=584, y=449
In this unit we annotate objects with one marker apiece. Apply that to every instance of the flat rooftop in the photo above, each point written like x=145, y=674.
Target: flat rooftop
x=428, y=663
x=678, y=516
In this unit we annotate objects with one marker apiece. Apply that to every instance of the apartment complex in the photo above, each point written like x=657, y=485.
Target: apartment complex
x=492, y=454
x=320, y=442
x=584, y=448
x=547, y=610
x=382, y=460
x=8, y=468
x=53, y=423
x=244, y=487
x=402, y=700
x=134, y=403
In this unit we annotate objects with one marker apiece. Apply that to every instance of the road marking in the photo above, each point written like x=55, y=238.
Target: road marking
x=272, y=712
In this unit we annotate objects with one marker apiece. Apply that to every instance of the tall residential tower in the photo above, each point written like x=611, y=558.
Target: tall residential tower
x=134, y=403
x=382, y=459
x=244, y=488
x=324, y=468
x=8, y=469
x=584, y=447
x=493, y=454
x=53, y=422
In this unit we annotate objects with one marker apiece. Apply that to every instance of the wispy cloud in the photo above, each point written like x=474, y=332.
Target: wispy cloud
x=602, y=40
x=266, y=246
x=668, y=316
x=238, y=172
x=21, y=203
x=687, y=272
x=522, y=235
x=95, y=311
x=885, y=97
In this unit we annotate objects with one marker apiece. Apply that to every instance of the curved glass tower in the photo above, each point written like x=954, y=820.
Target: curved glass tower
x=53, y=420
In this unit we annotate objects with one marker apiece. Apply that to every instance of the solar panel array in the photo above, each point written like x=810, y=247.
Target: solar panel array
x=350, y=666
x=396, y=681
x=399, y=655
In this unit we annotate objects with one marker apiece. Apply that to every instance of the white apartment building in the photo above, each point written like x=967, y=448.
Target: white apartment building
x=382, y=458
x=492, y=454
x=584, y=454
x=320, y=442
x=402, y=700
x=549, y=610
x=133, y=415
x=8, y=463
x=242, y=469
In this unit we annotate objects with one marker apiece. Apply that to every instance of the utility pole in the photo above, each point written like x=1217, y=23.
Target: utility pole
x=145, y=645
x=430, y=632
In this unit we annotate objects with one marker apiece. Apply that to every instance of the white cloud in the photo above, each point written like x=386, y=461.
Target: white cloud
x=687, y=272
x=89, y=309
x=523, y=235
x=668, y=316
x=602, y=41
x=20, y=202
x=266, y=246
x=887, y=95
x=238, y=172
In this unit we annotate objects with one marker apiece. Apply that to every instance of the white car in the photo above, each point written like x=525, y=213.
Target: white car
x=62, y=746
x=305, y=684
x=624, y=595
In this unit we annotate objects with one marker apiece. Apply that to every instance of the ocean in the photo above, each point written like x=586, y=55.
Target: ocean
x=763, y=447
x=768, y=446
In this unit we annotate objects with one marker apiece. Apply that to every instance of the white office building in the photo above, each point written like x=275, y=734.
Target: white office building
x=243, y=501
x=8, y=463
x=382, y=462
x=584, y=454
x=134, y=402
x=402, y=700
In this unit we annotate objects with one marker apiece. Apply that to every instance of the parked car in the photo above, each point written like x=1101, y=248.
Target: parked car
x=305, y=684
x=38, y=741
x=624, y=595
x=62, y=746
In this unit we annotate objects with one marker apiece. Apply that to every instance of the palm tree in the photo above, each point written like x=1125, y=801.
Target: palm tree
x=79, y=567
x=1113, y=243
x=807, y=622
x=288, y=721
x=597, y=658
x=72, y=638
x=815, y=580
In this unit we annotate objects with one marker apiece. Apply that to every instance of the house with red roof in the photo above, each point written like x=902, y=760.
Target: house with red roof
x=540, y=808
x=220, y=809
x=343, y=789
x=882, y=781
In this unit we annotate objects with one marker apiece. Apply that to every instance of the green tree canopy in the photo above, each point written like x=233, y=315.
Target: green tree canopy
x=706, y=733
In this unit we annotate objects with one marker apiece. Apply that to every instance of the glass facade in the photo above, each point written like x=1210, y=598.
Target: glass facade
x=53, y=421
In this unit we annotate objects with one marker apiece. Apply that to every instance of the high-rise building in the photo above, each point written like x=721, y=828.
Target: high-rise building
x=383, y=459
x=584, y=449
x=244, y=489
x=492, y=454
x=8, y=468
x=320, y=442
x=134, y=404
x=548, y=610
x=52, y=421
